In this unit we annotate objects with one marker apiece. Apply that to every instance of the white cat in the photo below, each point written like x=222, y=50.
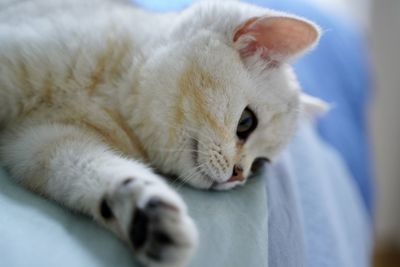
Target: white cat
x=94, y=92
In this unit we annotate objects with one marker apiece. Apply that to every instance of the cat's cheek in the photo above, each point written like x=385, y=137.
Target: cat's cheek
x=201, y=183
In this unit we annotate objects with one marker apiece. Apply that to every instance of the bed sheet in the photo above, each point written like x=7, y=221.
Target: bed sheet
x=35, y=232
x=317, y=217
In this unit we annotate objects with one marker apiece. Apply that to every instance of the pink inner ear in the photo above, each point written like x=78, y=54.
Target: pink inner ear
x=282, y=37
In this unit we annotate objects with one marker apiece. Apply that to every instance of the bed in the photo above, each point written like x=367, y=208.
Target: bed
x=312, y=208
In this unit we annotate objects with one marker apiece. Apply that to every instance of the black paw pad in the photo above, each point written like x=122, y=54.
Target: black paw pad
x=139, y=229
x=154, y=255
x=105, y=210
x=162, y=238
x=159, y=240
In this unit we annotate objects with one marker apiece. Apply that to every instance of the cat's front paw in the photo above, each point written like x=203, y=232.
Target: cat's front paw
x=154, y=220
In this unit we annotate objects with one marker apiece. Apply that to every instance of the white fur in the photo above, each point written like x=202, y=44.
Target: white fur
x=46, y=147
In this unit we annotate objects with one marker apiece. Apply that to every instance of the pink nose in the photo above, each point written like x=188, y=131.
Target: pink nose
x=237, y=174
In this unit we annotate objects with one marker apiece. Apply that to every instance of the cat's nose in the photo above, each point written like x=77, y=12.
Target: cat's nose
x=237, y=174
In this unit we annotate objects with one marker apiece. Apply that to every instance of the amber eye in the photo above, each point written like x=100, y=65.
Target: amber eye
x=247, y=124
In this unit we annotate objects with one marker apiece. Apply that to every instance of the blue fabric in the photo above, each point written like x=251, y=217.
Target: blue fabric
x=286, y=244
x=35, y=232
x=316, y=215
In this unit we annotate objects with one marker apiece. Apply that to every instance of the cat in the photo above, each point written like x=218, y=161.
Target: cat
x=97, y=98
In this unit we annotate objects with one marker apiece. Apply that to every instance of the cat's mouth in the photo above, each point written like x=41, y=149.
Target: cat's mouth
x=208, y=179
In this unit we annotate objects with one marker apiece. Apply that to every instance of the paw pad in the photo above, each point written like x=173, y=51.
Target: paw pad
x=139, y=227
x=105, y=210
x=147, y=227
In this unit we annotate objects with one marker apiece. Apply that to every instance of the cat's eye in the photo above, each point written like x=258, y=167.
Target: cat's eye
x=247, y=124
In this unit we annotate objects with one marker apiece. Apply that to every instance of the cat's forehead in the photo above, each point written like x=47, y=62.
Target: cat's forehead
x=216, y=69
x=221, y=68
x=220, y=59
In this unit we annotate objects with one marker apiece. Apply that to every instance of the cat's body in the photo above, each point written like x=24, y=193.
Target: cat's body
x=93, y=92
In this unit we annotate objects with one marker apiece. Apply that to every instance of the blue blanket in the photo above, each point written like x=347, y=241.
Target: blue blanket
x=316, y=214
x=35, y=232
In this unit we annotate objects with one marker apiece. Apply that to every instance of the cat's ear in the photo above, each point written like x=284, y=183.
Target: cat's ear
x=275, y=38
x=313, y=107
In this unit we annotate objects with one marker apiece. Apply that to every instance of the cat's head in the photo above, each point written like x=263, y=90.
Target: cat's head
x=221, y=92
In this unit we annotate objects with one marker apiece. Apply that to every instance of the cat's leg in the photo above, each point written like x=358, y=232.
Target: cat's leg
x=73, y=167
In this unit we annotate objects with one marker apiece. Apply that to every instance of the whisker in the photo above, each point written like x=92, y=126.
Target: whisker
x=184, y=179
x=197, y=132
x=184, y=175
x=193, y=131
x=179, y=150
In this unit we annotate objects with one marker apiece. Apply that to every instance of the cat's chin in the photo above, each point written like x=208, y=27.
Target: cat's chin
x=226, y=185
x=202, y=182
x=205, y=182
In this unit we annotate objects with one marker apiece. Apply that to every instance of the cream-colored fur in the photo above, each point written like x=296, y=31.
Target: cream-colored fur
x=94, y=93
